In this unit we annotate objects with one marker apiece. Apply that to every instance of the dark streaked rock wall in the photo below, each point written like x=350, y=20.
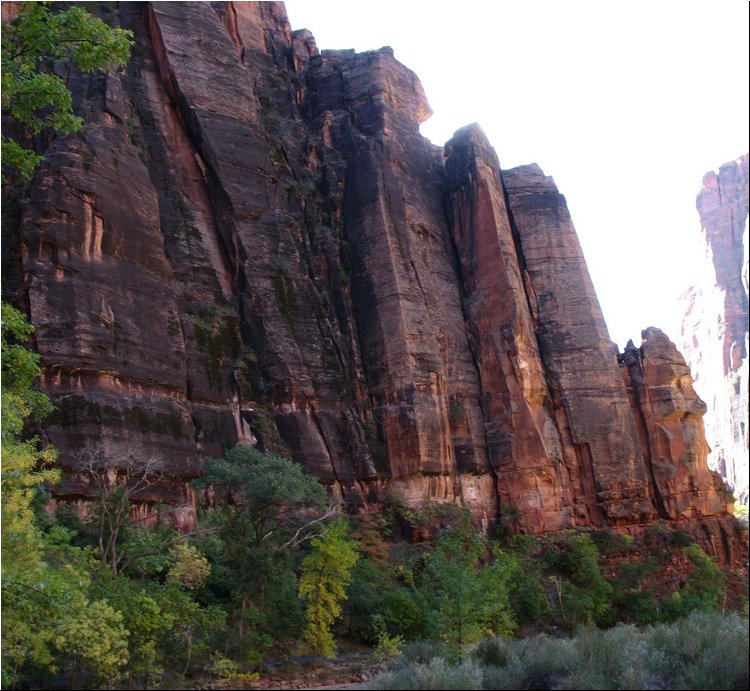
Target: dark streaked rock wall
x=250, y=241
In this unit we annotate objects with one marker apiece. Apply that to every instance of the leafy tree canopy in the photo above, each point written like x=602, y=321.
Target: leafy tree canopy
x=270, y=491
x=468, y=599
x=39, y=99
x=326, y=572
x=24, y=464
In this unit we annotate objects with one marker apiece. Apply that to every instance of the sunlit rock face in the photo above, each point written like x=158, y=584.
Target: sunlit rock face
x=251, y=242
x=714, y=334
x=671, y=428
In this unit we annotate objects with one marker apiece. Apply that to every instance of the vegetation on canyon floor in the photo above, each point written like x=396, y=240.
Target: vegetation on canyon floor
x=706, y=650
x=274, y=570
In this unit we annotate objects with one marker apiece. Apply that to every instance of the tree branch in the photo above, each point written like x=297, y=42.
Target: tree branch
x=299, y=537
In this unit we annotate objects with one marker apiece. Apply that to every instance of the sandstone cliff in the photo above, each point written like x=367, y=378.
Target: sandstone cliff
x=250, y=241
x=714, y=334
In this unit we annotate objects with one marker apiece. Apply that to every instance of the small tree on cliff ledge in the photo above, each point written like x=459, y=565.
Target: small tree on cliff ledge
x=36, y=99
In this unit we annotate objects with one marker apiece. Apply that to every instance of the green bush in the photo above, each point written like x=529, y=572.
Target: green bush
x=388, y=646
x=587, y=597
x=707, y=650
x=528, y=599
x=222, y=668
x=545, y=660
x=639, y=606
x=435, y=674
x=420, y=652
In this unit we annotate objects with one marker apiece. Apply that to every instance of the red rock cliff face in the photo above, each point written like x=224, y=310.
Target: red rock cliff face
x=714, y=334
x=250, y=241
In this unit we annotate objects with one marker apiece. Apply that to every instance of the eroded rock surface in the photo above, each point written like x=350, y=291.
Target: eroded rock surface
x=250, y=241
x=714, y=333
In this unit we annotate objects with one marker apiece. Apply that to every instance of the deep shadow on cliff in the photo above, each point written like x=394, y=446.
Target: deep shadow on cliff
x=249, y=241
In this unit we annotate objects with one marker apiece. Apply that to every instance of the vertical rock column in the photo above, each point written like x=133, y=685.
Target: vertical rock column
x=239, y=105
x=523, y=443
x=422, y=380
x=671, y=414
x=714, y=332
x=601, y=441
x=93, y=257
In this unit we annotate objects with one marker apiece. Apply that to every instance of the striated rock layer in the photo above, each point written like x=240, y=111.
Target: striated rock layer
x=250, y=241
x=714, y=333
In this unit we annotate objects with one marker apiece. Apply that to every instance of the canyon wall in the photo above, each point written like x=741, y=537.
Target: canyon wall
x=249, y=241
x=714, y=333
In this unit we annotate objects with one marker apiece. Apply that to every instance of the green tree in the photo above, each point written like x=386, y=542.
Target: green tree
x=25, y=466
x=196, y=627
x=269, y=507
x=587, y=596
x=33, y=95
x=467, y=599
x=270, y=494
x=95, y=642
x=37, y=595
x=144, y=620
x=36, y=602
x=326, y=572
x=704, y=587
x=706, y=581
x=33, y=595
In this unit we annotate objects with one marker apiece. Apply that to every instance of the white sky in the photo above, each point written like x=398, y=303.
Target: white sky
x=625, y=105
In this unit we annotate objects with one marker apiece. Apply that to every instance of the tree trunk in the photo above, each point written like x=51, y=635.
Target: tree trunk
x=189, y=654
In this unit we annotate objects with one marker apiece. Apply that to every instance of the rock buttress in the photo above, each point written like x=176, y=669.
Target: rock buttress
x=669, y=415
x=386, y=205
x=714, y=330
x=600, y=440
x=523, y=443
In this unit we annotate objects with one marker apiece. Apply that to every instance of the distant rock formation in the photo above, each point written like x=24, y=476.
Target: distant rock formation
x=714, y=335
x=250, y=241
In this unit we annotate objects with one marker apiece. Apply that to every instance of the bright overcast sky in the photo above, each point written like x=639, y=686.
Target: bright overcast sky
x=625, y=105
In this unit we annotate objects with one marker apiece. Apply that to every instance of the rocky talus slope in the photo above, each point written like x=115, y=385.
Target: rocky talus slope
x=714, y=334
x=251, y=241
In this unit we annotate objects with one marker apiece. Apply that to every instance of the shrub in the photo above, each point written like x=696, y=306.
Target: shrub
x=707, y=650
x=545, y=660
x=420, y=652
x=492, y=652
x=388, y=646
x=435, y=674
x=606, y=657
x=222, y=668
x=511, y=676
